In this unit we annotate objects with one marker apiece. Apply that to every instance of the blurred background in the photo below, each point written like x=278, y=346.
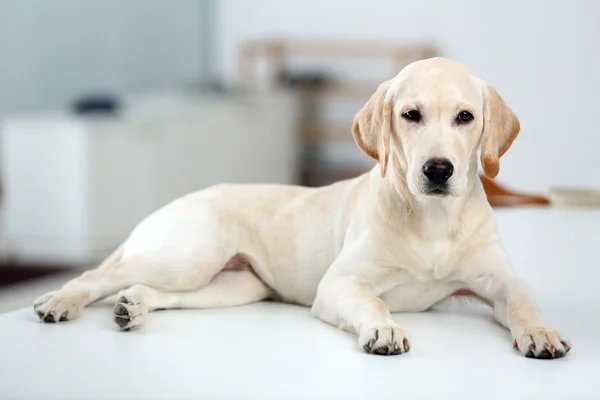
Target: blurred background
x=109, y=109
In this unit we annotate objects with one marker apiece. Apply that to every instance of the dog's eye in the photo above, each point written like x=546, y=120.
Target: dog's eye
x=464, y=117
x=412, y=115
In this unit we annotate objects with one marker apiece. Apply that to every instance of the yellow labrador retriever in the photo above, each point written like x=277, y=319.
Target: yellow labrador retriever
x=408, y=234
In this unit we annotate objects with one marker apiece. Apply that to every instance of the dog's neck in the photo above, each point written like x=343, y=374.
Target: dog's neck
x=433, y=217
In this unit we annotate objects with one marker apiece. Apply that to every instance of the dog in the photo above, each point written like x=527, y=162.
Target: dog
x=408, y=234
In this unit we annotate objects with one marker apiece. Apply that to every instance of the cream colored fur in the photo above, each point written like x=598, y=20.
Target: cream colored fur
x=356, y=250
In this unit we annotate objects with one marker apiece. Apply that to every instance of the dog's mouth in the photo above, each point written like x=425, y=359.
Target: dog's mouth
x=437, y=191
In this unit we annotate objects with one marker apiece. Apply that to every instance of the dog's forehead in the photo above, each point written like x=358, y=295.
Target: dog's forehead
x=438, y=80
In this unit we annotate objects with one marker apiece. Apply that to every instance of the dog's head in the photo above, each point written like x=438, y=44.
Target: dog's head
x=431, y=119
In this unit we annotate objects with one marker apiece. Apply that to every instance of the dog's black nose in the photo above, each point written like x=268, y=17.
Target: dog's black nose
x=438, y=170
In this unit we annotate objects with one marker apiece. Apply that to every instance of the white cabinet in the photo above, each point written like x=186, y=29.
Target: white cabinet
x=74, y=187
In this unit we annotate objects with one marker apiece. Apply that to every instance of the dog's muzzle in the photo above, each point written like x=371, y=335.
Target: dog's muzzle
x=437, y=171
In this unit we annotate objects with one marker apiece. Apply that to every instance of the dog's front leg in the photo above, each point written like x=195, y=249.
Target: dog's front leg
x=490, y=274
x=347, y=298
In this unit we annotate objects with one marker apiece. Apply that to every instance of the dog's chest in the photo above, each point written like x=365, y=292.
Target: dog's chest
x=429, y=259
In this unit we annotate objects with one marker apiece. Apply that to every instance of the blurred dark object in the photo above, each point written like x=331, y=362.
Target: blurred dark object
x=12, y=273
x=96, y=104
x=304, y=80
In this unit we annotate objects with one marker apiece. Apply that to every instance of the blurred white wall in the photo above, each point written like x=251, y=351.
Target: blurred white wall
x=51, y=51
x=542, y=56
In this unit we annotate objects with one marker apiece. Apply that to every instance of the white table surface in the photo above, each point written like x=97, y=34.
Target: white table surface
x=280, y=351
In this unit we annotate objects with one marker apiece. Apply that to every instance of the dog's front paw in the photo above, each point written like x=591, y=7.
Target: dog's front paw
x=385, y=339
x=58, y=306
x=542, y=342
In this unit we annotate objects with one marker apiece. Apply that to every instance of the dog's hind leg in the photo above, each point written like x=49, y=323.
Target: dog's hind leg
x=172, y=269
x=226, y=289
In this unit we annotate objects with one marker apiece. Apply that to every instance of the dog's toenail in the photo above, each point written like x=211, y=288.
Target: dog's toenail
x=531, y=352
x=49, y=318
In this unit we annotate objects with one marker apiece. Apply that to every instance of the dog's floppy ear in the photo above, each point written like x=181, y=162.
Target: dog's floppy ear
x=372, y=126
x=500, y=128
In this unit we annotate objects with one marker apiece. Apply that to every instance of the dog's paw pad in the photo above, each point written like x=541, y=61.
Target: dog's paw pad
x=128, y=315
x=120, y=311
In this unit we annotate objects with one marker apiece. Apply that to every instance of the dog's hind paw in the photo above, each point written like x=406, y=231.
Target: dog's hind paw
x=58, y=306
x=129, y=314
